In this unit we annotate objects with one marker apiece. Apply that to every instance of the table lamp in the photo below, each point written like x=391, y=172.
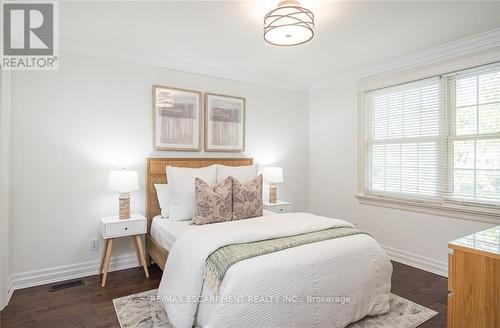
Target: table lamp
x=123, y=181
x=273, y=175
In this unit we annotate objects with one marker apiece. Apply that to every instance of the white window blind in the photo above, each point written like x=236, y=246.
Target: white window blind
x=474, y=140
x=403, y=139
x=436, y=139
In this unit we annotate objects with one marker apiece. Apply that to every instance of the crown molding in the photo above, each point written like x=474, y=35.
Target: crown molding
x=80, y=48
x=471, y=45
x=455, y=49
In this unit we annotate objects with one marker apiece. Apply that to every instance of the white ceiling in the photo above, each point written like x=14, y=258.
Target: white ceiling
x=228, y=35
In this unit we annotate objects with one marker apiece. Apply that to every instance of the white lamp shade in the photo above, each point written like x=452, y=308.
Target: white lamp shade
x=123, y=181
x=272, y=174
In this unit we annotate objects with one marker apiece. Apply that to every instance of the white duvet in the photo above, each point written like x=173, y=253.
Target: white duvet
x=324, y=284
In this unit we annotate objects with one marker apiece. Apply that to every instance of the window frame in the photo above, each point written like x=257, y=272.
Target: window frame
x=438, y=140
x=444, y=206
x=453, y=137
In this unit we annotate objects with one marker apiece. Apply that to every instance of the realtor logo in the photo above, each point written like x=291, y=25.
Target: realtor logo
x=29, y=36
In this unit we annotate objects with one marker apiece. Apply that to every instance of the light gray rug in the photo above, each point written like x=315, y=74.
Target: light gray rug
x=140, y=311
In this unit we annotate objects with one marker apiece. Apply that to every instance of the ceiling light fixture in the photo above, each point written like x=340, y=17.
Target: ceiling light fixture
x=289, y=24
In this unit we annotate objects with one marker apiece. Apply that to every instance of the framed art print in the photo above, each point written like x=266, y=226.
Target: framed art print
x=177, y=119
x=224, y=123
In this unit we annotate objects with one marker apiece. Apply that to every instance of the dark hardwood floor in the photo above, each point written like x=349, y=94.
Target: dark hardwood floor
x=91, y=306
x=424, y=288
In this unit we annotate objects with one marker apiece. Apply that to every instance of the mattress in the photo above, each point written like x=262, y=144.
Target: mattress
x=166, y=231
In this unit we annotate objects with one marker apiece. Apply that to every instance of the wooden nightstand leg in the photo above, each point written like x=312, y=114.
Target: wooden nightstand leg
x=137, y=251
x=103, y=256
x=141, y=253
x=106, y=261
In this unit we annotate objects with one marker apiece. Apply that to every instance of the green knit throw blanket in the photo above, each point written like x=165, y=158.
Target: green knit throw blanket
x=223, y=258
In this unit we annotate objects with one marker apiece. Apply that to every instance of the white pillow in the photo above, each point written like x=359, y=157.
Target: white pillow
x=243, y=173
x=181, y=181
x=162, y=193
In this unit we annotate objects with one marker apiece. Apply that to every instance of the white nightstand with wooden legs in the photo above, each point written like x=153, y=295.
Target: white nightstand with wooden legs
x=113, y=227
x=280, y=206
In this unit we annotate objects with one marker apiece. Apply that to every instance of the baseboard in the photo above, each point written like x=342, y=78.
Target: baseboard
x=10, y=290
x=67, y=272
x=84, y=269
x=417, y=261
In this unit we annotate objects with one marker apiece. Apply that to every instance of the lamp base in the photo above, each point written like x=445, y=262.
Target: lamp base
x=124, y=205
x=273, y=193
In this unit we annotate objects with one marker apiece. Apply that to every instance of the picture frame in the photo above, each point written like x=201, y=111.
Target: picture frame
x=177, y=119
x=225, y=118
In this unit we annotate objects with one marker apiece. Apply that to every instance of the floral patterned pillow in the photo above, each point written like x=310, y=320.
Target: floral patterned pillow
x=247, y=198
x=213, y=204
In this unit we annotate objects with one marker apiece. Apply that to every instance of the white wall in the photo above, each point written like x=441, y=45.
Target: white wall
x=5, y=156
x=70, y=127
x=413, y=238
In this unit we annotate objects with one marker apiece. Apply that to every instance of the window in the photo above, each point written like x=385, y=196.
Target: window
x=435, y=140
x=474, y=140
x=404, y=133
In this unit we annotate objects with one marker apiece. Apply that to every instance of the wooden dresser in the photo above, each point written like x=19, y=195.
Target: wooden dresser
x=474, y=280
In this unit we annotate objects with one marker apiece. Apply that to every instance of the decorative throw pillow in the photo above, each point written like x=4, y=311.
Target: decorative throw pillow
x=247, y=198
x=213, y=204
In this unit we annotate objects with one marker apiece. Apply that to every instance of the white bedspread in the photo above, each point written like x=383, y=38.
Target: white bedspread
x=353, y=267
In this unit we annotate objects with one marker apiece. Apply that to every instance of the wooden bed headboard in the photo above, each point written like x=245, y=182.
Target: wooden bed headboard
x=156, y=173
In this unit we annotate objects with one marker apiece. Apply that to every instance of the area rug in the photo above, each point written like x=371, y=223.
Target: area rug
x=141, y=311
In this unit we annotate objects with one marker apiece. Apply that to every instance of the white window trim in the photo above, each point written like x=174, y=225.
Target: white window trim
x=466, y=212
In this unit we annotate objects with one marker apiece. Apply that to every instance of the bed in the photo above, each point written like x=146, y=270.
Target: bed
x=155, y=173
x=329, y=283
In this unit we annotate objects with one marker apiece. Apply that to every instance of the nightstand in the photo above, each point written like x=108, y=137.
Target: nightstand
x=279, y=207
x=112, y=227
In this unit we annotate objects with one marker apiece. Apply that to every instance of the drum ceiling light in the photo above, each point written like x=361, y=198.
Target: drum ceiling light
x=289, y=24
